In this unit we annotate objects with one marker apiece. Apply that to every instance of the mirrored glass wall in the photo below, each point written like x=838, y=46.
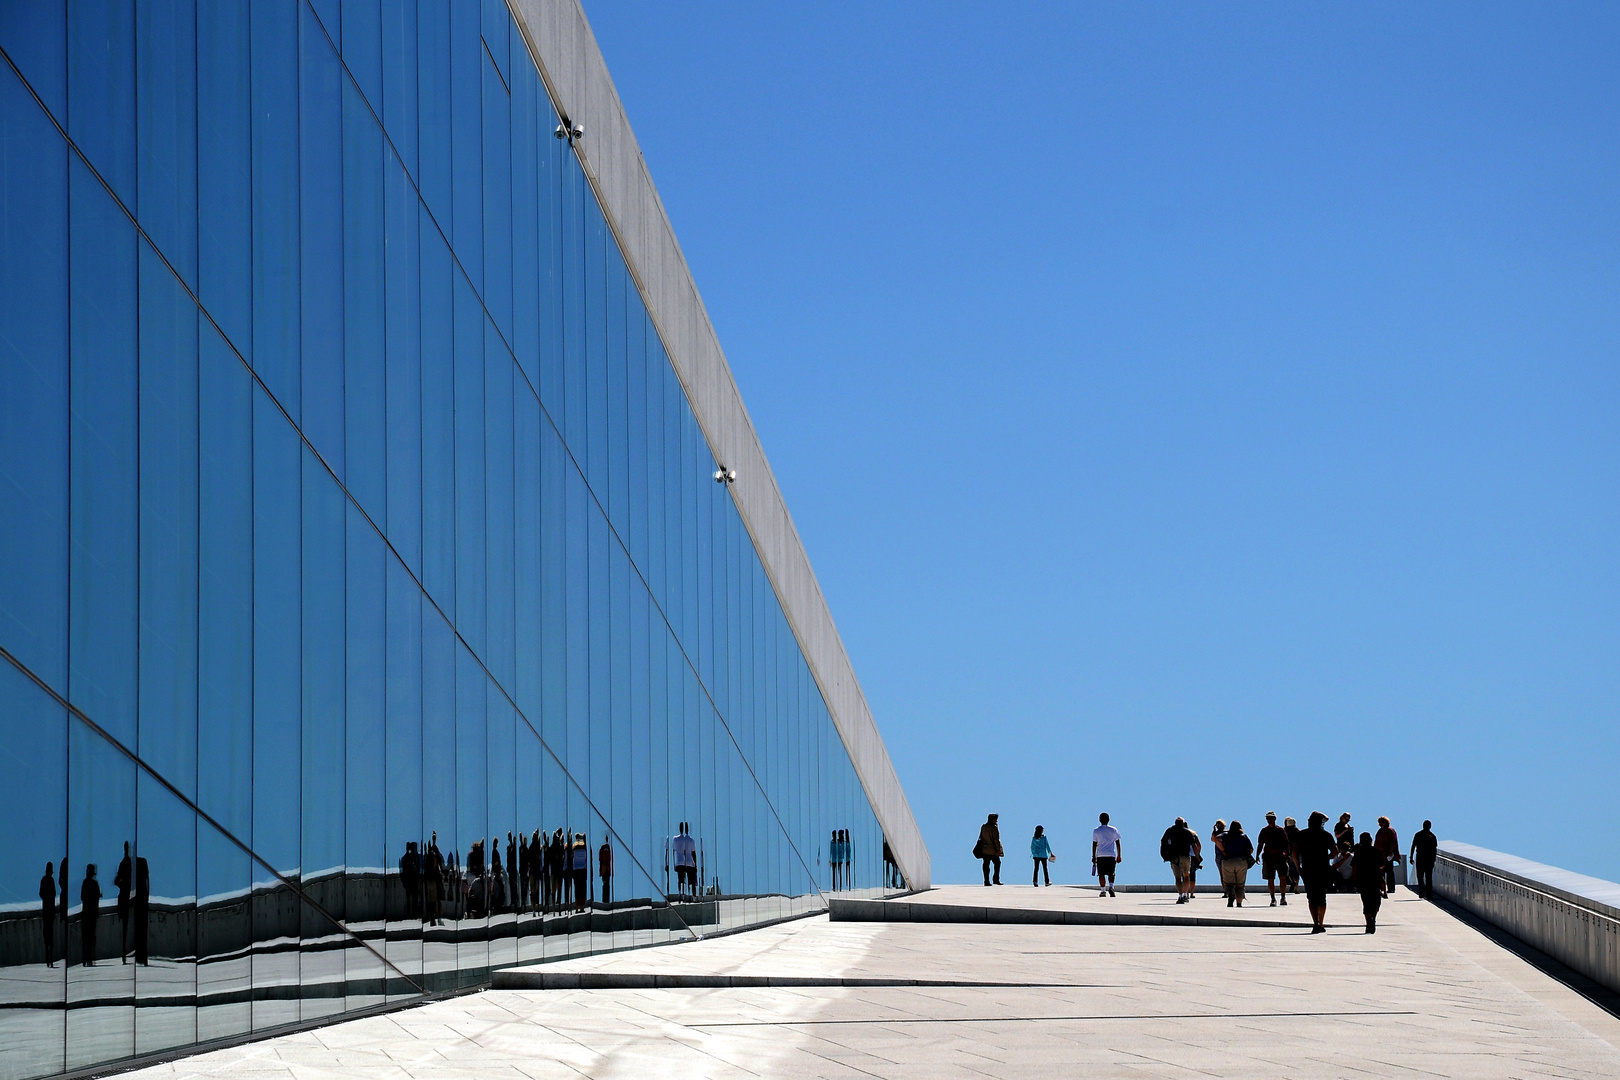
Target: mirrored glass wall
x=370, y=617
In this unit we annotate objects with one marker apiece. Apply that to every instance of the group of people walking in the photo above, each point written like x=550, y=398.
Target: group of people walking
x=1288, y=857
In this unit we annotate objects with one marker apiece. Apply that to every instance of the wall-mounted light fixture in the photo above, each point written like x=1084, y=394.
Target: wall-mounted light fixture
x=723, y=475
x=570, y=131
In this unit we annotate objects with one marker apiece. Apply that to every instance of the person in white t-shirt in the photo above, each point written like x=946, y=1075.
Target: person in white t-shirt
x=1107, y=851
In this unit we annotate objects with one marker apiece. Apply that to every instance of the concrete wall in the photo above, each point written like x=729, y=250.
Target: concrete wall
x=560, y=40
x=1570, y=917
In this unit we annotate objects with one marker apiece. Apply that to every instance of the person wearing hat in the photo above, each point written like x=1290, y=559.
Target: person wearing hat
x=1315, y=852
x=1273, y=851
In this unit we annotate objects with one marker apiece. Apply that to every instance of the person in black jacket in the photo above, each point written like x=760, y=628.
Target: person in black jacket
x=1367, y=870
x=47, y=912
x=1424, y=848
x=1315, y=850
x=90, y=897
x=124, y=880
x=139, y=909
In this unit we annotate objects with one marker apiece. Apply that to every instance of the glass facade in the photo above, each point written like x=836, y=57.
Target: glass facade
x=369, y=616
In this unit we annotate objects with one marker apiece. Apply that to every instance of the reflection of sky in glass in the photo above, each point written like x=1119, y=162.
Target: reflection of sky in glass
x=408, y=530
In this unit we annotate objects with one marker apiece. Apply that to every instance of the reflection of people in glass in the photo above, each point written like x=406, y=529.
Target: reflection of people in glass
x=410, y=879
x=891, y=869
x=604, y=866
x=435, y=881
x=90, y=897
x=498, y=890
x=139, y=907
x=122, y=882
x=523, y=873
x=537, y=856
x=47, y=912
x=581, y=867
x=473, y=894
x=514, y=898
x=848, y=850
x=685, y=851
x=556, y=854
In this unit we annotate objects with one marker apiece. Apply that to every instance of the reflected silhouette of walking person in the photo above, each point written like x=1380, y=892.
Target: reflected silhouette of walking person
x=122, y=881
x=140, y=905
x=47, y=913
x=90, y=898
x=604, y=866
x=435, y=881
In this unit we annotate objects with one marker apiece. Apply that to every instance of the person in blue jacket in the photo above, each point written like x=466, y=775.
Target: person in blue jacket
x=1041, y=849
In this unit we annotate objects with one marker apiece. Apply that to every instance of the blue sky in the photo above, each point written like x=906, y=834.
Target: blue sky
x=1186, y=409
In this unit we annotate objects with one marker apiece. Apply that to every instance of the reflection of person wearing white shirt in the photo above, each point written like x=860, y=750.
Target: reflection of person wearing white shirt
x=1107, y=851
x=685, y=850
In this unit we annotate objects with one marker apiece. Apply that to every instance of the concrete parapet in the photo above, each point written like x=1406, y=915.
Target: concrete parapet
x=1570, y=917
x=841, y=910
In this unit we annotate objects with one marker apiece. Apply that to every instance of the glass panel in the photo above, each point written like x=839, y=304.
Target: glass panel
x=101, y=827
x=438, y=421
x=402, y=296
x=168, y=526
x=526, y=569
x=320, y=160
x=504, y=878
x=466, y=138
x=365, y=446
x=497, y=204
x=166, y=119
x=38, y=931
x=471, y=584
x=501, y=650
x=433, y=110
x=35, y=38
x=101, y=90
x=403, y=780
x=163, y=918
x=224, y=173
x=399, y=87
x=273, y=51
x=441, y=893
x=364, y=854
x=527, y=203
x=362, y=45
x=34, y=377
x=472, y=854
x=103, y=569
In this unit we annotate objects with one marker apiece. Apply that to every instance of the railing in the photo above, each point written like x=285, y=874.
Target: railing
x=1570, y=917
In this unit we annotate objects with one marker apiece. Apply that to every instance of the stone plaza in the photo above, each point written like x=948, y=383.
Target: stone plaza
x=1432, y=994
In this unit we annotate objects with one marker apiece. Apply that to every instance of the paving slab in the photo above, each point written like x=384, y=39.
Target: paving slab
x=1428, y=995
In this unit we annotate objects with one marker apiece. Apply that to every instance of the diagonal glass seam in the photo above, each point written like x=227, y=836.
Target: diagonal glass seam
x=202, y=814
x=573, y=460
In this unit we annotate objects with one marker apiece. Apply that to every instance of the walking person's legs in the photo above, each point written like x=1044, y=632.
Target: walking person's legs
x=997, y=879
x=987, y=870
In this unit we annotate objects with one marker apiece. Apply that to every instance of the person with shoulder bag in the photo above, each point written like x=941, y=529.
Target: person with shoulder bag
x=988, y=849
x=1237, y=855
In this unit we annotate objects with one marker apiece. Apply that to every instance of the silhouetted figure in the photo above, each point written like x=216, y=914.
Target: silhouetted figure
x=604, y=869
x=476, y=888
x=514, y=898
x=523, y=872
x=1367, y=867
x=685, y=851
x=123, y=881
x=1344, y=832
x=580, y=866
x=90, y=898
x=1237, y=855
x=47, y=912
x=989, y=849
x=410, y=879
x=1389, y=846
x=846, y=852
x=1425, y=845
x=63, y=885
x=556, y=869
x=537, y=854
x=1315, y=851
x=140, y=907
x=1180, y=846
x=498, y=898
x=1274, y=848
x=434, y=881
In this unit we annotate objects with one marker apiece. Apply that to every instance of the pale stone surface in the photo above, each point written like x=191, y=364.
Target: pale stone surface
x=1426, y=996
